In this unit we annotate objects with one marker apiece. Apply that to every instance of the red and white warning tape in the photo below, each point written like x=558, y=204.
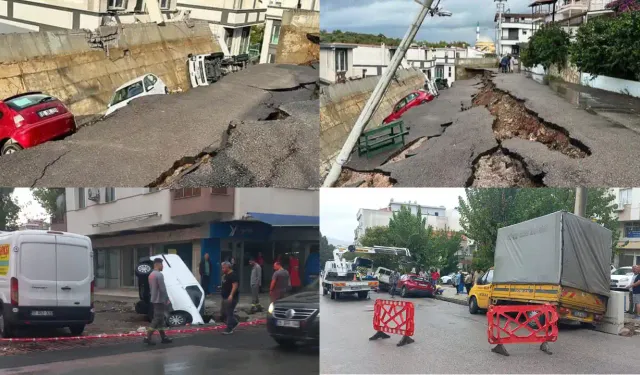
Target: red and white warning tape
x=118, y=335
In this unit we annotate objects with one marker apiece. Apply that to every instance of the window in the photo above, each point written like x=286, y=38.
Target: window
x=219, y=191
x=457, y=55
x=237, y=4
x=449, y=72
x=228, y=37
x=244, y=41
x=164, y=4
x=275, y=34
x=489, y=277
x=625, y=196
x=115, y=4
x=186, y=193
x=128, y=92
x=109, y=195
x=400, y=105
x=341, y=60
x=82, y=203
x=149, y=82
x=524, y=32
x=439, y=71
x=632, y=229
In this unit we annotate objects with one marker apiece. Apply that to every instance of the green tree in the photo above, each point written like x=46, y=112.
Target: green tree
x=257, y=34
x=549, y=45
x=9, y=210
x=487, y=210
x=609, y=46
x=326, y=250
x=49, y=199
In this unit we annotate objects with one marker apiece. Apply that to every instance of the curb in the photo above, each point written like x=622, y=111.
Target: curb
x=452, y=300
x=136, y=334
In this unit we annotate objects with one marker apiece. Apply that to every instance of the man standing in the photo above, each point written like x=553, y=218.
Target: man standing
x=279, y=282
x=205, y=273
x=468, y=281
x=160, y=301
x=230, y=296
x=435, y=276
x=256, y=283
x=393, y=280
x=635, y=289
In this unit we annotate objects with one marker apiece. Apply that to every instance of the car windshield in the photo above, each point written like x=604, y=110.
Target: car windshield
x=419, y=279
x=622, y=271
x=26, y=101
x=127, y=93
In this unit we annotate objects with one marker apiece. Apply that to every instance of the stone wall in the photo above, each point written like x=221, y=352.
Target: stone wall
x=464, y=67
x=341, y=104
x=83, y=68
x=569, y=73
x=299, y=37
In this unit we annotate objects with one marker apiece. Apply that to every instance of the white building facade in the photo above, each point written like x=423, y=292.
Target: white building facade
x=628, y=211
x=273, y=22
x=336, y=62
x=515, y=28
x=126, y=224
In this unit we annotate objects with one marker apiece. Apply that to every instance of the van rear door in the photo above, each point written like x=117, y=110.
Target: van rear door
x=37, y=273
x=74, y=262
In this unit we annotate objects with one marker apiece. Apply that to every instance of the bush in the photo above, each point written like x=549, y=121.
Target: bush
x=549, y=45
x=609, y=46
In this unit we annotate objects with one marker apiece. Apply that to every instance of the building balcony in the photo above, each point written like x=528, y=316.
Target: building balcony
x=192, y=205
x=231, y=13
x=598, y=5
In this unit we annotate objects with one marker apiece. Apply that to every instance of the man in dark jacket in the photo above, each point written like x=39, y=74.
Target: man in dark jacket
x=206, y=266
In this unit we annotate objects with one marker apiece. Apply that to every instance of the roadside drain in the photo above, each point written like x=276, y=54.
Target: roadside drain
x=351, y=178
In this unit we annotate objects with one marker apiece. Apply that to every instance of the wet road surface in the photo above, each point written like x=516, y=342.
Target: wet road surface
x=450, y=340
x=247, y=351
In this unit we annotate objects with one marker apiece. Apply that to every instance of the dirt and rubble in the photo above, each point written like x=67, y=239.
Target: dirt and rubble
x=351, y=178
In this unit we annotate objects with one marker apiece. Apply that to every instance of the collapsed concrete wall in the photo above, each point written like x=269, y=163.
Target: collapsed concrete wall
x=465, y=67
x=83, y=68
x=299, y=37
x=341, y=104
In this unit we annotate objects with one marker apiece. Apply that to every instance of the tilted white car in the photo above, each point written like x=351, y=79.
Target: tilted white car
x=148, y=84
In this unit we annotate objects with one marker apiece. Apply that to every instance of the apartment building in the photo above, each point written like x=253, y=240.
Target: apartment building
x=273, y=22
x=126, y=224
x=628, y=211
x=230, y=21
x=51, y=15
x=513, y=29
x=336, y=62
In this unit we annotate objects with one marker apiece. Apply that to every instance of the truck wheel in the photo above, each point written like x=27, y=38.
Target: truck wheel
x=77, y=330
x=473, y=305
x=362, y=295
x=403, y=292
x=144, y=269
x=325, y=291
x=333, y=295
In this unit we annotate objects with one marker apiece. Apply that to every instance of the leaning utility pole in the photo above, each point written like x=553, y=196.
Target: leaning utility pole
x=500, y=9
x=581, y=201
x=378, y=92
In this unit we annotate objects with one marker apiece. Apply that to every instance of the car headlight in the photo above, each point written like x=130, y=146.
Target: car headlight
x=270, y=310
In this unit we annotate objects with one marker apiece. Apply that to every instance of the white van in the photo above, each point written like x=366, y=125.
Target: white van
x=46, y=278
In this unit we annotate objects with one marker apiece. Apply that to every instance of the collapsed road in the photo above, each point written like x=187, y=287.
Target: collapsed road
x=503, y=130
x=220, y=135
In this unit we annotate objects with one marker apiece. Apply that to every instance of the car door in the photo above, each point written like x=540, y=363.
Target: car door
x=398, y=110
x=150, y=84
x=6, y=123
x=37, y=272
x=483, y=291
x=74, y=263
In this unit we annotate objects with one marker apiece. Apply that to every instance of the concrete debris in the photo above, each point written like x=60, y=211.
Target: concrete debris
x=498, y=170
x=351, y=178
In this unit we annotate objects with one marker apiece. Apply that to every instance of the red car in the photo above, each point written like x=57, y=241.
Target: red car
x=32, y=118
x=414, y=285
x=415, y=98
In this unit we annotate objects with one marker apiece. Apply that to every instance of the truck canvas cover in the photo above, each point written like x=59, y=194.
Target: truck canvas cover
x=560, y=248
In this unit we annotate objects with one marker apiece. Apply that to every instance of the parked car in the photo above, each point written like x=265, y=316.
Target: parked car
x=447, y=279
x=148, y=84
x=414, y=99
x=32, y=118
x=414, y=285
x=295, y=319
x=185, y=293
x=621, y=278
x=47, y=280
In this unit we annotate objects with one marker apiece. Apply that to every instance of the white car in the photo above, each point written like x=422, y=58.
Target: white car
x=148, y=84
x=621, y=278
x=447, y=279
x=185, y=293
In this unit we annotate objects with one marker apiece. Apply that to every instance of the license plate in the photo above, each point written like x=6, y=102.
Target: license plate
x=288, y=323
x=580, y=314
x=42, y=313
x=48, y=112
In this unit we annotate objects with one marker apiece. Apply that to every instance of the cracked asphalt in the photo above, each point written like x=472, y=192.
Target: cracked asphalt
x=448, y=157
x=152, y=135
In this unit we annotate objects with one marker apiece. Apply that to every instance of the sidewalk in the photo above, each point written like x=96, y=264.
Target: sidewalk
x=449, y=295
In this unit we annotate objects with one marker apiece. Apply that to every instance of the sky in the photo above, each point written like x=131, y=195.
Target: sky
x=339, y=207
x=30, y=207
x=393, y=17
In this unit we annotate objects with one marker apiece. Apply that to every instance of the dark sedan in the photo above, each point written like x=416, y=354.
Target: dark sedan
x=296, y=319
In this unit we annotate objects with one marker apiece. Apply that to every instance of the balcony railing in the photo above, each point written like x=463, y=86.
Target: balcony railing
x=510, y=37
x=596, y=5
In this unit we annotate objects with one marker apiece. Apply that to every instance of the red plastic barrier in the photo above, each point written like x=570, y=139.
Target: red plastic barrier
x=118, y=335
x=519, y=330
x=394, y=317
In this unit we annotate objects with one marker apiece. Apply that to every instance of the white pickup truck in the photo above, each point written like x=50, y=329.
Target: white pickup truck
x=383, y=275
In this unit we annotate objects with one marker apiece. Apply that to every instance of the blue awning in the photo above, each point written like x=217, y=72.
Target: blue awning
x=277, y=220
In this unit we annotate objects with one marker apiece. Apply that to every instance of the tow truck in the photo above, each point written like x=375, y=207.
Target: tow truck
x=341, y=276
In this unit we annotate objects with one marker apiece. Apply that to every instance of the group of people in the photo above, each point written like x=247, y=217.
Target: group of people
x=229, y=292
x=509, y=63
x=464, y=281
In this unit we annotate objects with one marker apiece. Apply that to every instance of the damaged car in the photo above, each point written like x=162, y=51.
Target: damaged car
x=207, y=69
x=148, y=84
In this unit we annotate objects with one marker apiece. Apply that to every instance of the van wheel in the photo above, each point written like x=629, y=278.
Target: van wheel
x=6, y=329
x=144, y=269
x=10, y=147
x=473, y=305
x=177, y=319
x=334, y=295
x=362, y=295
x=77, y=330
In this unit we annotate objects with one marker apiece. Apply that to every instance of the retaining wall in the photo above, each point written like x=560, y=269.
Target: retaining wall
x=298, y=30
x=463, y=64
x=83, y=68
x=341, y=104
